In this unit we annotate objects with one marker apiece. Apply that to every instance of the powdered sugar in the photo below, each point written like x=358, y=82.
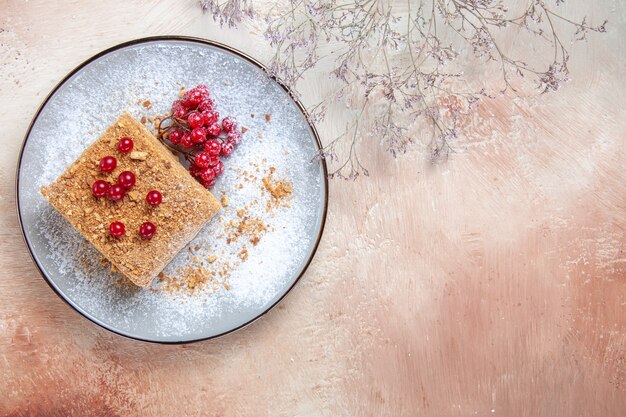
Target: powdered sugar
x=92, y=99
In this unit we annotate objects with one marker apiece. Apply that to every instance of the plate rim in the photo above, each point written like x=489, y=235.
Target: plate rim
x=148, y=39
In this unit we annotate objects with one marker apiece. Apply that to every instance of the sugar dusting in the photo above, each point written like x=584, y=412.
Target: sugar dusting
x=121, y=82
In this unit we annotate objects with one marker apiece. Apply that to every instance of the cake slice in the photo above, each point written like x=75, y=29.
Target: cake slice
x=185, y=208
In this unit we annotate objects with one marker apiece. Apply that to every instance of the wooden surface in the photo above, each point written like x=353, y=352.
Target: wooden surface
x=494, y=284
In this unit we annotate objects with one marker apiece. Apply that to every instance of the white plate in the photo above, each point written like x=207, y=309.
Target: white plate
x=88, y=100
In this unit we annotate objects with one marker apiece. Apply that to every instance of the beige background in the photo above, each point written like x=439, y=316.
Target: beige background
x=494, y=284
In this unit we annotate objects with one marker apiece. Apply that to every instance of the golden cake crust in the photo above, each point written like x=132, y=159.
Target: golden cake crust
x=186, y=206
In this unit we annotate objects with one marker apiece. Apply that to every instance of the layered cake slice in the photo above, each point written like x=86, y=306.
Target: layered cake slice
x=133, y=200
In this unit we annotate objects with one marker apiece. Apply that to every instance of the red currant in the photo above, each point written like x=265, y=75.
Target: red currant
x=154, y=198
x=206, y=105
x=147, y=230
x=195, y=120
x=189, y=104
x=198, y=135
x=125, y=145
x=116, y=192
x=204, y=90
x=207, y=175
x=195, y=170
x=100, y=188
x=209, y=184
x=186, y=140
x=210, y=117
x=227, y=148
x=117, y=229
x=214, y=161
x=175, y=136
x=176, y=105
x=228, y=123
x=234, y=136
x=218, y=168
x=108, y=164
x=194, y=97
x=126, y=179
x=214, y=129
x=213, y=147
x=181, y=112
x=202, y=159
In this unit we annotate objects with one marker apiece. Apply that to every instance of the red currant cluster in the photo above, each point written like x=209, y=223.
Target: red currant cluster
x=117, y=191
x=195, y=125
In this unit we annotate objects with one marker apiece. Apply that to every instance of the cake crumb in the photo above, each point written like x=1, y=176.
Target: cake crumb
x=138, y=156
x=243, y=254
x=244, y=129
x=267, y=117
x=225, y=201
x=188, y=280
x=212, y=259
x=279, y=189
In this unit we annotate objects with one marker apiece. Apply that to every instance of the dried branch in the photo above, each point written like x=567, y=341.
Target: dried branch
x=403, y=60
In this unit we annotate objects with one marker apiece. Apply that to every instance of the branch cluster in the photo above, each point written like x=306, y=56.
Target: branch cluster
x=401, y=61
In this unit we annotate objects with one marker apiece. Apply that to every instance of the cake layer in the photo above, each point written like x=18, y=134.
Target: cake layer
x=185, y=209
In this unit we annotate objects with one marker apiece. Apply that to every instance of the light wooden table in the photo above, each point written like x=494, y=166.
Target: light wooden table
x=494, y=284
